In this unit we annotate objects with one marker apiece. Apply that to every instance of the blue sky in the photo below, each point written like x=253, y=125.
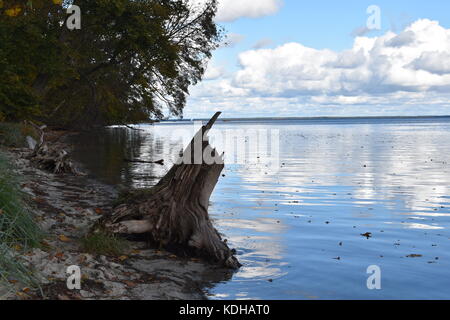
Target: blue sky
x=328, y=28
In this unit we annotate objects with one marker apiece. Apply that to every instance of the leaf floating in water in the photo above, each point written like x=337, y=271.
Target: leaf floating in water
x=368, y=235
x=414, y=256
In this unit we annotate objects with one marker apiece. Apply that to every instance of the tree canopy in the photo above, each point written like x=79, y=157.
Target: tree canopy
x=130, y=61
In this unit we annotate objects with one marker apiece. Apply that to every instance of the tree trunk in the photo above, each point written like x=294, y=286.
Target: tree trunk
x=174, y=213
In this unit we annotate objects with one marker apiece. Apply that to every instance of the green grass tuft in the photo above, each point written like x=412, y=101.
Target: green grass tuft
x=18, y=231
x=104, y=243
x=14, y=134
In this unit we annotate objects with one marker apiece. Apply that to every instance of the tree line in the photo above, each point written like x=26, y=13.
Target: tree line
x=131, y=60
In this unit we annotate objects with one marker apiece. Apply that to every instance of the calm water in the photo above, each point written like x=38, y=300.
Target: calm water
x=297, y=227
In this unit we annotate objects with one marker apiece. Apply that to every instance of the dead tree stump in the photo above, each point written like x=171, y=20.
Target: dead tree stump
x=175, y=211
x=49, y=157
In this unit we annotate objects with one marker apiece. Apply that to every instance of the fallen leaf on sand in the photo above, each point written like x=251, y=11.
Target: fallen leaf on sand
x=59, y=255
x=45, y=243
x=130, y=284
x=63, y=238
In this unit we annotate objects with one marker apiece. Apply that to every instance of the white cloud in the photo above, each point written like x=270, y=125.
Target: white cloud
x=213, y=72
x=262, y=43
x=434, y=62
x=405, y=72
x=415, y=60
x=231, y=10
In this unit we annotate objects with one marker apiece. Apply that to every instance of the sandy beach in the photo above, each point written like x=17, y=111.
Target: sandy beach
x=66, y=207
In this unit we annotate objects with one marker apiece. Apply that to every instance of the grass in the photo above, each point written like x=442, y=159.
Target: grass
x=104, y=243
x=18, y=231
x=14, y=134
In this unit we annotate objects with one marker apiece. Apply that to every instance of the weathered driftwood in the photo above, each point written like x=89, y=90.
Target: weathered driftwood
x=174, y=213
x=50, y=158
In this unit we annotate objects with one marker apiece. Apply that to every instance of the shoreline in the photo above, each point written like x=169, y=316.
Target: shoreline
x=65, y=207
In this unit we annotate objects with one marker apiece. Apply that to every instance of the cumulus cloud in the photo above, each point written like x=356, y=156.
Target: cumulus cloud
x=410, y=69
x=360, y=31
x=415, y=60
x=435, y=62
x=262, y=43
x=231, y=10
x=213, y=72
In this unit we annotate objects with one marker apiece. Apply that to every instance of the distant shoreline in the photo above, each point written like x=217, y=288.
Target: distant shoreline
x=444, y=117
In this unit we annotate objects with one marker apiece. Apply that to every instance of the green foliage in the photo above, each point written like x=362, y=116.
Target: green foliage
x=131, y=60
x=104, y=243
x=18, y=231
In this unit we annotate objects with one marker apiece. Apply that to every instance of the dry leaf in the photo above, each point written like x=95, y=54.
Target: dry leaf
x=45, y=243
x=98, y=211
x=39, y=200
x=63, y=238
x=130, y=284
x=123, y=258
x=59, y=255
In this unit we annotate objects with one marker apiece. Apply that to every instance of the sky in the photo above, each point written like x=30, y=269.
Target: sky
x=328, y=58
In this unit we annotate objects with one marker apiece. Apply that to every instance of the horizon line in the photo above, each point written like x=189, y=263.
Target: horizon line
x=309, y=118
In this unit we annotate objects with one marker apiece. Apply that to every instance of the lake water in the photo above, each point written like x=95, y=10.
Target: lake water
x=297, y=220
